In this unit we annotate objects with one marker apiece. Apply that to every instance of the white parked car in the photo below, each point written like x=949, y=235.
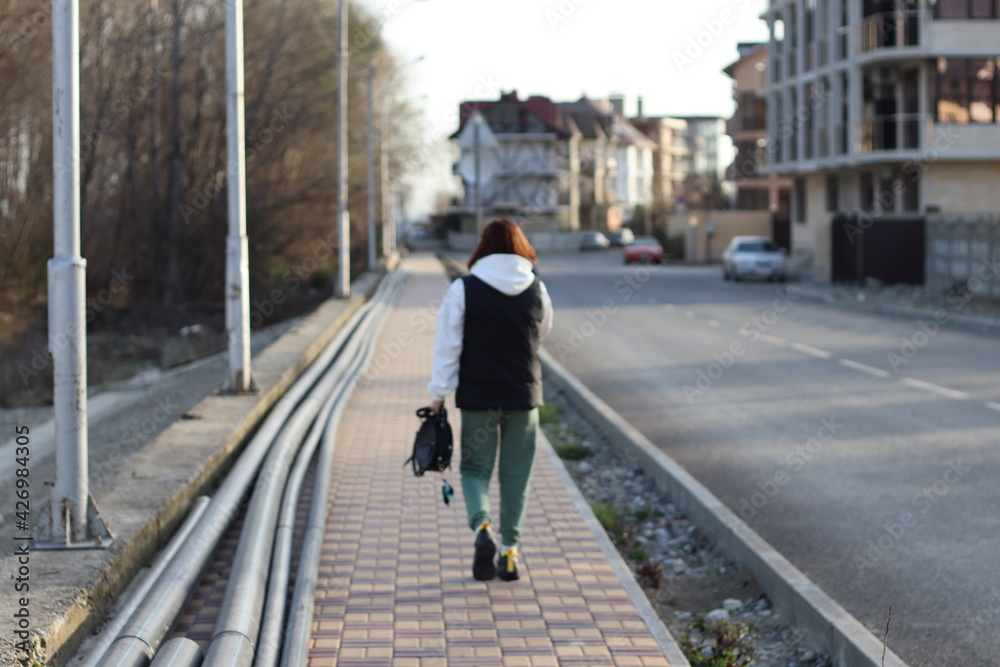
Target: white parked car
x=753, y=257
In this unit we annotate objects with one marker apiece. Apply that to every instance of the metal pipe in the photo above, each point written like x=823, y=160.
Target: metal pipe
x=110, y=632
x=242, y=607
x=237, y=262
x=178, y=652
x=299, y=627
x=269, y=641
x=240, y=612
x=268, y=638
x=343, y=215
x=153, y=617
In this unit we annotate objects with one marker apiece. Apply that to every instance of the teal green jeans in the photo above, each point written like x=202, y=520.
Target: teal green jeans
x=483, y=433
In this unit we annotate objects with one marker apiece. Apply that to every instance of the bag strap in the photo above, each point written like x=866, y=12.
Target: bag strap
x=425, y=413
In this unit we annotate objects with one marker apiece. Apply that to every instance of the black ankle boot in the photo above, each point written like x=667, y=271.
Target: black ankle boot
x=483, y=568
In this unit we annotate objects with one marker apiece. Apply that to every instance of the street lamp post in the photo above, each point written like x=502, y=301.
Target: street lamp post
x=71, y=520
x=372, y=259
x=388, y=236
x=343, y=215
x=237, y=254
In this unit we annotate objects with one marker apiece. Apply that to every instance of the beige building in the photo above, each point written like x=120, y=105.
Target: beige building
x=670, y=157
x=883, y=109
x=755, y=191
x=616, y=164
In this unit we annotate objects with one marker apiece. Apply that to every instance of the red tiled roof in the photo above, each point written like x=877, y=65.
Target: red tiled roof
x=542, y=107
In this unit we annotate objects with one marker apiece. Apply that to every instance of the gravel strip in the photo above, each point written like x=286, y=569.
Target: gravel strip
x=691, y=585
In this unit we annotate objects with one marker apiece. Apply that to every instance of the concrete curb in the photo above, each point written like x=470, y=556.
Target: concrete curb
x=671, y=649
x=791, y=592
x=147, y=497
x=974, y=321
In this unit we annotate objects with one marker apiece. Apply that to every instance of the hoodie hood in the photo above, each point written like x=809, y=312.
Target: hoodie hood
x=510, y=274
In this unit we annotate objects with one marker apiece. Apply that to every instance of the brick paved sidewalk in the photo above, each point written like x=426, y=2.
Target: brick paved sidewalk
x=395, y=584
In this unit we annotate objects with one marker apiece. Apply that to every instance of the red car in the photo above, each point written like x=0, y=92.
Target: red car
x=644, y=250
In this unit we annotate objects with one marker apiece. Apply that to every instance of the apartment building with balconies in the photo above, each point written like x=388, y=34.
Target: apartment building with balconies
x=882, y=109
x=754, y=190
x=536, y=178
x=670, y=160
x=616, y=164
x=705, y=164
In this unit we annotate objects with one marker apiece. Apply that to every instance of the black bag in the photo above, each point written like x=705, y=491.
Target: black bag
x=433, y=444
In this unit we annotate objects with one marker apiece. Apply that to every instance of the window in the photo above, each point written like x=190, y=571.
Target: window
x=758, y=246
x=967, y=90
x=982, y=9
x=887, y=195
x=967, y=9
x=800, y=200
x=865, y=191
x=911, y=192
x=793, y=121
x=832, y=193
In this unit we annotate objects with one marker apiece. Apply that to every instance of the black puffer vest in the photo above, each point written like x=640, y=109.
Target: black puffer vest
x=499, y=366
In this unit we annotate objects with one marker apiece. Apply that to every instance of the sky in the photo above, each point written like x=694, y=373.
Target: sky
x=669, y=52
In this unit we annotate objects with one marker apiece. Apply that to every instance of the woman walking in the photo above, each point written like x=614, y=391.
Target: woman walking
x=486, y=351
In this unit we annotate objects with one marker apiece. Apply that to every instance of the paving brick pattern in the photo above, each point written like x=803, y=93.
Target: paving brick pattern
x=395, y=586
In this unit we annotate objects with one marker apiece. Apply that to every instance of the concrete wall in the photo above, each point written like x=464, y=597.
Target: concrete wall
x=966, y=187
x=692, y=225
x=973, y=141
x=962, y=37
x=811, y=239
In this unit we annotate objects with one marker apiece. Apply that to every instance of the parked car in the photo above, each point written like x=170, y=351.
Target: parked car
x=645, y=250
x=621, y=238
x=594, y=241
x=753, y=257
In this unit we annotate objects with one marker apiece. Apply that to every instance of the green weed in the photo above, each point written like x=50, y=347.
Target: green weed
x=734, y=646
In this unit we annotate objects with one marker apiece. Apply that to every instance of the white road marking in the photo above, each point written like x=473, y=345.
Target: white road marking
x=773, y=340
x=810, y=350
x=864, y=368
x=993, y=406
x=936, y=389
x=715, y=324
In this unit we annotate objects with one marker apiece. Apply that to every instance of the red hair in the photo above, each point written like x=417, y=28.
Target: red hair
x=502, y=235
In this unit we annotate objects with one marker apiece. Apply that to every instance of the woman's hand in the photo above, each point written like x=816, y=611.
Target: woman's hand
x=436, y=407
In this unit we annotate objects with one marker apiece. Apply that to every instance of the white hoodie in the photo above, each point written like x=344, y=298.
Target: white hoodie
x=510, y=274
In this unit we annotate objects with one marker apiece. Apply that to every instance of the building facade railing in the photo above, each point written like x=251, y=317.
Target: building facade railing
x=893, y=132
x=890, y=30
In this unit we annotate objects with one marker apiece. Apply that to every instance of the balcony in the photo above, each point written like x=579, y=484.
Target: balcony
x=897, y=132
x=890, y=30
x=822, y=52
x=747, y=123
x=841, y=44
x=839, y=139
x=823, y=143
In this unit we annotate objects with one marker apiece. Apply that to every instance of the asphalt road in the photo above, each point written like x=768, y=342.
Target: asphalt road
x=866, y=448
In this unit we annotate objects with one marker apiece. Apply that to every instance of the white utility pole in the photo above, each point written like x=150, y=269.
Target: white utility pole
x=386, y=196
x=479, y=177
x=237, y=257
x=71, y=520
x=372, y=259
x=343, y=214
